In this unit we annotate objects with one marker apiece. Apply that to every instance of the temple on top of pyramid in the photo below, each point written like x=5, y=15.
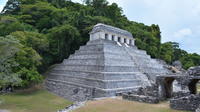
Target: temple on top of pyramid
x=102, y=31
x=108, y=64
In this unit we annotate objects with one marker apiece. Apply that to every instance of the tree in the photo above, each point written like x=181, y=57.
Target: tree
x=166, y=52
x=98, y=5
x=18, y=64
x=8, y=49
x=64, y=40
x=9, y=24
x=45, y=32
x=37, y=41
x=37, y=14
x=28, y=60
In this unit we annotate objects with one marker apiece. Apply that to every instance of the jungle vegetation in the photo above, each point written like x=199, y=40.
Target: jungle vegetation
x=35, y=34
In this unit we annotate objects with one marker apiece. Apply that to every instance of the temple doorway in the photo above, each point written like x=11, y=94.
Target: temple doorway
x=194, y=86
x=168, y=86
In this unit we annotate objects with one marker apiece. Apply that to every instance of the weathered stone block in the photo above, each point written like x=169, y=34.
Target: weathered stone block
x=189, y=103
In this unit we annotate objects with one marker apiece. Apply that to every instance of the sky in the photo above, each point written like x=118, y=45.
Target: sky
x=179, y=20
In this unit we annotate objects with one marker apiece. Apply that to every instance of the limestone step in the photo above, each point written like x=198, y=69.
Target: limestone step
x=97, y=52
x=83, y=74
x=57, y=82
x=92, y=48
x=102, y=41
x=97, y=68
x=117, y=51
x=107, y=61
x=100, y=47
x=98, y=75
x=100, y=56
x=136, y=50
x=140, y=56
x=106, y=84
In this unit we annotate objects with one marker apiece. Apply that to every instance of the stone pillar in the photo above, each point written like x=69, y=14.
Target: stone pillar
x=128, y=41
x=109, y=36
x=102, y=35
x=122, y=39
x=94, y=36
x=116, y=38
x=132, y=42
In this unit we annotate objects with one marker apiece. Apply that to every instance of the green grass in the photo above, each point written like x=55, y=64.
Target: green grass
x=119, y=105
x=32, y=101
x=40, y=100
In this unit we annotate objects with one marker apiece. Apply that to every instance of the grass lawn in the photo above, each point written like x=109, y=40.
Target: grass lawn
x=118, y=105
x=38, y=100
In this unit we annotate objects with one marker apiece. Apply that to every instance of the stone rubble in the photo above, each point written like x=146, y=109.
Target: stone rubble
x=188, y=103
x=141, y=98
x=148, y=94
x=6, y=90
x=194, y=71
x=198, y=109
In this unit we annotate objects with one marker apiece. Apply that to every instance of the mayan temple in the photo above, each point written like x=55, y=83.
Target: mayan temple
x=109, y=63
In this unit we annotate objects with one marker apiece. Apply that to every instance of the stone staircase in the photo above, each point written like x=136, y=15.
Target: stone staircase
x=102, y=68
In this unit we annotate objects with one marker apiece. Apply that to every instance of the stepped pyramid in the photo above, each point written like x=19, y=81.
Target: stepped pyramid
x=109, y=63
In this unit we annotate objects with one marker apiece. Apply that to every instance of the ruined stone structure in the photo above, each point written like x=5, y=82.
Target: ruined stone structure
x=108, y=64
x=189, y=102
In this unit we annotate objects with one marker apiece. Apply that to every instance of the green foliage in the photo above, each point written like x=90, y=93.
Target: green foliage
x=9, y=24
x=37, y=41
x=63, y=41
x=18, y=65
x=44, y=32
x=166, y=52
x=33, y=100
x=29, y=77
x=190, y=60
x=28, y=60
x=147, y=38
x=8, y=49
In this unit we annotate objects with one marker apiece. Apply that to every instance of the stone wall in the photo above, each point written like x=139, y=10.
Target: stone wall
x=189, y=103
x=69, y=91
x=140, y=98
x=147, y=94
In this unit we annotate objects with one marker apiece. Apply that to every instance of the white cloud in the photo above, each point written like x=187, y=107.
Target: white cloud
x=183, y=33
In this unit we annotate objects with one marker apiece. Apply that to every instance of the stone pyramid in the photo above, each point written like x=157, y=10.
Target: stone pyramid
x=103, y=68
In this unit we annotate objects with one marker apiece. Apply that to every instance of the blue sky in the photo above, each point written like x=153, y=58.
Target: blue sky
x=179, y=20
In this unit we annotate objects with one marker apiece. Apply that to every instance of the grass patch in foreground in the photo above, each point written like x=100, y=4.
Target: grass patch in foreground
x=32, y=101
x=118, y=105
